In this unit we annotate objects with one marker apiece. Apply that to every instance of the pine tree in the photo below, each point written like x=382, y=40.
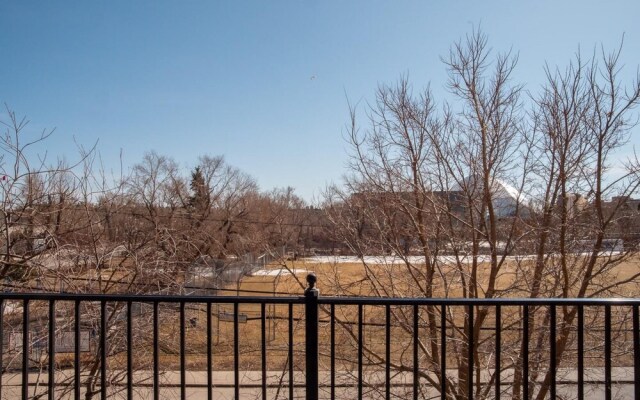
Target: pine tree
x=200, y=199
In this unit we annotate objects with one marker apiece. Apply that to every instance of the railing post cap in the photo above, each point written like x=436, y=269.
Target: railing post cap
x=311, y=280
x=311, y=290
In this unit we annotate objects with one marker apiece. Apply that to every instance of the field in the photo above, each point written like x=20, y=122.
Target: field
x=350, y=275
x=337, y=278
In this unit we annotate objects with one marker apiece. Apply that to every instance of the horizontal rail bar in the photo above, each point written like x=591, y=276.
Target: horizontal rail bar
x=313, y=304
x=325, y=300
x=378, y=301
x=143, y=298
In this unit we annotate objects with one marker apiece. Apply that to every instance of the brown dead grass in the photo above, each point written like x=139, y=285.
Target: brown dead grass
x=250, y=333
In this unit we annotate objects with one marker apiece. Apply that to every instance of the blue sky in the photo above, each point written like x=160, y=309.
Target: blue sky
x=235, y=78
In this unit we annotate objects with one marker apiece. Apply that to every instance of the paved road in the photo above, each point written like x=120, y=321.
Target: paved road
x=251, y=382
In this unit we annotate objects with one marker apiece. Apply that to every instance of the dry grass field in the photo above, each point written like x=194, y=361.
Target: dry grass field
x=330, y=277
x=350, y=275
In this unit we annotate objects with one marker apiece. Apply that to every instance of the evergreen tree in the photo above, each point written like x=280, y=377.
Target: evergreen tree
x=200, y=199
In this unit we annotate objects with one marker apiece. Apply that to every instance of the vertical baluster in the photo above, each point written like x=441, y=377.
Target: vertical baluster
x=552, y=355
x=183, y=376
x=360, y=344
x=470, y=354
x=25, y=349
x=525, y=347
x=209, y=356
x=264, y=350
x=416, y=376
x=443, y=352
x=387, y=347
x=52, y=350
x=129, y=351
x=607, y=351
x=333, y=351
x=291, y=381
x=156, y=354
x=636, y=351
x=580, y=352
x=76, y=354
x=103, y=350
x=498, y=350
x=236, y=354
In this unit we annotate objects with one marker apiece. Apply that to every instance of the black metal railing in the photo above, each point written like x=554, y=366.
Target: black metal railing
x=87, y=346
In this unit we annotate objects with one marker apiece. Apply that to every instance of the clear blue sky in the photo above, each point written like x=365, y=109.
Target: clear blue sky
x=234, y=78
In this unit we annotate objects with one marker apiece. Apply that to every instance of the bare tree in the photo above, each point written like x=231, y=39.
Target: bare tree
x=64, y=231
x=457, y=194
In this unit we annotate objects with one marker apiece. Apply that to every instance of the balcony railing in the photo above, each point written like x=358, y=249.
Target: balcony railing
x=66, y=346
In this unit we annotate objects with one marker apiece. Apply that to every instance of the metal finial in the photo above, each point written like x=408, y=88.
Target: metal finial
x=311, y=280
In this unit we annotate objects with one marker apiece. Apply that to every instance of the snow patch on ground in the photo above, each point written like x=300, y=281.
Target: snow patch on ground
x=385, y=260
x=393, y=260
x=280, y=272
